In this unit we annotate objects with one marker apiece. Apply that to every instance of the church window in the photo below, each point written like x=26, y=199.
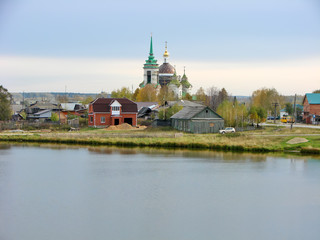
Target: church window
x=148, y=76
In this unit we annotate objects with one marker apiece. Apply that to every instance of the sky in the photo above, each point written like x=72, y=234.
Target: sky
x=94, y=46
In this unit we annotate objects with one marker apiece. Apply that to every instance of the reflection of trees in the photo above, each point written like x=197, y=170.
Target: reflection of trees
x=111, y=150
x=5, y=146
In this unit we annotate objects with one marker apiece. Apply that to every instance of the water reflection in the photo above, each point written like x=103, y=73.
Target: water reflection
x=74, y=192
x=4, y=146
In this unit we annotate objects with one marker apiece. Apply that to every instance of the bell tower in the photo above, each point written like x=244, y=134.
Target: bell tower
x=151, y=69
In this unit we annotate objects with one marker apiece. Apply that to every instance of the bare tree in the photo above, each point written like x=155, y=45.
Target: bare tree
x=212, y=98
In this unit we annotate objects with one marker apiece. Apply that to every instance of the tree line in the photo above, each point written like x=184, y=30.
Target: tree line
x=259, y=105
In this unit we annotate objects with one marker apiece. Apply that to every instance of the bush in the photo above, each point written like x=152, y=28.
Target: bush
x=144, y=122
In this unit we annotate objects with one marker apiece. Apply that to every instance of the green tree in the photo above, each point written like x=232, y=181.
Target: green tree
x=135, y=94
x=264, y=98
x=234, y=114
x=124, y=92
x=87, y=100
x=187, y=96
x=223, y=95
x=165, y=94
x=201, y=95
x=289, y=108
x=54, y=117
x=5, y=107
x=257, y=114
x=147, y=94
x=167, y=113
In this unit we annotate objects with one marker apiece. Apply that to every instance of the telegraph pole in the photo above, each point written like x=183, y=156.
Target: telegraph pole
x=275, y=110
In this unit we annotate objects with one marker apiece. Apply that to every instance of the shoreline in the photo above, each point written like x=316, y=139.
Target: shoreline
x=231, y=143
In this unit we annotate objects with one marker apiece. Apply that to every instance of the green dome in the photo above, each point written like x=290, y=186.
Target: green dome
x=184, y=81
x=175, y=82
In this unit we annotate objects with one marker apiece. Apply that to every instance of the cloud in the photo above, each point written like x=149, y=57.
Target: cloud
x=94, y=75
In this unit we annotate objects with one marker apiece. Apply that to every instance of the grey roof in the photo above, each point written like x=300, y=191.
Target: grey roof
x=188, y=112
x=43, y=105
x=146, y=104
x=43, y=111
x=185, y=103
x=70, y=106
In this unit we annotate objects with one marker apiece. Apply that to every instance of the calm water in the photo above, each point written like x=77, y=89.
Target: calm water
x=105, y=193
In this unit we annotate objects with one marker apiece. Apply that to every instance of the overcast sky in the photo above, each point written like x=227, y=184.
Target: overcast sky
x=94, y=46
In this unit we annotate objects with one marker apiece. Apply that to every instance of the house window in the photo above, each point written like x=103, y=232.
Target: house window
x=91, y=119
x=115, y=108
x=103, y=119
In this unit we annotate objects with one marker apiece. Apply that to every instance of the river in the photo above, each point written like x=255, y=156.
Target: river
x=87, y=193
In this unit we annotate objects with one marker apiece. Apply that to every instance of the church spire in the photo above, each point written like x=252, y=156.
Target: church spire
x=151, y=59
x=151, y=47
x=166, y=54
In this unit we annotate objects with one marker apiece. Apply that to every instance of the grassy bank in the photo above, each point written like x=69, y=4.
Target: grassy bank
x=271, y=139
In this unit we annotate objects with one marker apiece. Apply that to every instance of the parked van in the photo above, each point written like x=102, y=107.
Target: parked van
x=287, y=119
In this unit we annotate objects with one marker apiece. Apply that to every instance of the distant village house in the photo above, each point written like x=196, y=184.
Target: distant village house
x=104, y=112
x=311, y=108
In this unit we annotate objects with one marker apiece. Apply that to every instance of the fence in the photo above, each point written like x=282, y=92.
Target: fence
x=248, y=128
x=27, y=125
x=161, y=123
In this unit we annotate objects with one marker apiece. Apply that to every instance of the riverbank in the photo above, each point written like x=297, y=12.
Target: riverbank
x=269, y=139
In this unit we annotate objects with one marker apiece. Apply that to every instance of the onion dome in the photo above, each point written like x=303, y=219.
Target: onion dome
x=184, y=80
x=166, y=68
x=174, y=79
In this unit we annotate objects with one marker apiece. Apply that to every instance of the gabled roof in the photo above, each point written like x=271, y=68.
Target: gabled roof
x=103, y=104
x=190, y=112
x=42, y=112
x=313, y=98
x=185, y=103
x=146, y=104
x=43, y=105
x=71, y=106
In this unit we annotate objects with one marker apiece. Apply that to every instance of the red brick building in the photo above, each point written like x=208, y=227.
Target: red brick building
x=311, y=108
x=105, y=112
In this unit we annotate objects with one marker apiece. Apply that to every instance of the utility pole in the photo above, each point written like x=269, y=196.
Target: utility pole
x=275, y=110
x=294, y=110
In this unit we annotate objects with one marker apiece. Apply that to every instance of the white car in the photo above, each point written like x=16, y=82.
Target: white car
x=227, y=130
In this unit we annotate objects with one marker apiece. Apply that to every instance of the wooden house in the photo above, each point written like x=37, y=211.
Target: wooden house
x=197, y=119
x=104, y=112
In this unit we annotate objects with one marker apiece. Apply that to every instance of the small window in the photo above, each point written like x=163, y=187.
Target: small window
x=103, y=119
x=207, y=111
x=148, y=77
x=116, y=108
x=91, y=119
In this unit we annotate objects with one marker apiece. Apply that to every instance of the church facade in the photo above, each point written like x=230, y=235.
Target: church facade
x=164, y=75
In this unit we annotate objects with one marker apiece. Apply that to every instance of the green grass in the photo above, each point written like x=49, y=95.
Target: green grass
x=270, y=139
